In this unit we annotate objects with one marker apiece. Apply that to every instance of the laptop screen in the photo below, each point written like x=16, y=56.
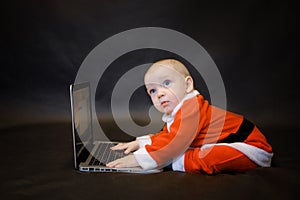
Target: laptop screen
x=82, y=120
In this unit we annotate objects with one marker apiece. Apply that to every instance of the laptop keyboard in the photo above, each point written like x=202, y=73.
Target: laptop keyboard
x=104, y=154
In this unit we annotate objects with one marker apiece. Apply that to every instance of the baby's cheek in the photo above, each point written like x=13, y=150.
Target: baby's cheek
x=154, y=101
x=156, y=104
x=159, y=108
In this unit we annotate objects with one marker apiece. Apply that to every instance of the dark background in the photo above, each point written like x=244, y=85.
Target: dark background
x=43, y=43
x=255, y=45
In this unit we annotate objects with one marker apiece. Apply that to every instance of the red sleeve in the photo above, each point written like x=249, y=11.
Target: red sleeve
x=164, y=130
x=187, y=123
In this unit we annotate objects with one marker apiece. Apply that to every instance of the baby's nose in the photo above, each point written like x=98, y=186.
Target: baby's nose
x=160, y=93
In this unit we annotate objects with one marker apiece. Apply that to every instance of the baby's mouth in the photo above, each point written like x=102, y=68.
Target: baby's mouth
x=164, y=103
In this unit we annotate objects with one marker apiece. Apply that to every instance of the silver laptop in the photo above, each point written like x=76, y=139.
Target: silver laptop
x=90, y=155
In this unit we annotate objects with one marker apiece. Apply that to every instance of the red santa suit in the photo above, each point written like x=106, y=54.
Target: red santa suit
x=199, y=137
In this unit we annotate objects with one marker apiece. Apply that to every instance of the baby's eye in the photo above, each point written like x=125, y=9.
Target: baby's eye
x=152, y=91
x=166, y=83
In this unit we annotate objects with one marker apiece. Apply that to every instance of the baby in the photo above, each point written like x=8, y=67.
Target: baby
x=197, y=137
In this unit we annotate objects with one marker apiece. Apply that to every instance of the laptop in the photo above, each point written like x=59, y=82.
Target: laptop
x=90, y=155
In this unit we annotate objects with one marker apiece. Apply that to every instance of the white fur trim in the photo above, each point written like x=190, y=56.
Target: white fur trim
x=178, y=164
x=169, y=119
x=144, y=159
x=257, y=155
x=144, y=140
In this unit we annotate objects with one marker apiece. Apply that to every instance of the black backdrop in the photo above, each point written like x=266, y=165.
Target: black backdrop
x=43, y=43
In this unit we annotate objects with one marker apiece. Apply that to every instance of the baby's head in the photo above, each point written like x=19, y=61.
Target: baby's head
x=167, y=82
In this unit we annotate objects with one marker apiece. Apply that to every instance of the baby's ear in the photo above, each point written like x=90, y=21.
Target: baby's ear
x=189, y=84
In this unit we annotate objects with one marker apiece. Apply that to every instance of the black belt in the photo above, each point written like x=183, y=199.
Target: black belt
x=241, y=135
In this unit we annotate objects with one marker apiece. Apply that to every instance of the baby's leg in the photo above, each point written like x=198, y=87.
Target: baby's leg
x=217, y=159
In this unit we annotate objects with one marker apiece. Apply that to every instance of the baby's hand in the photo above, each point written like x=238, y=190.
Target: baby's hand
x=128, y=147
x=127, y=161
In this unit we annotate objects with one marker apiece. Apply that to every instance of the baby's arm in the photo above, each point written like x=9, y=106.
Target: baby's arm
x=130, y=161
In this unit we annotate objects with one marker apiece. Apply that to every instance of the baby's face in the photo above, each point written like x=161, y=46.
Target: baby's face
x=166, y=87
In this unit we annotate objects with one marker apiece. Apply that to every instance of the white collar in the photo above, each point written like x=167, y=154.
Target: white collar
x=169, y=118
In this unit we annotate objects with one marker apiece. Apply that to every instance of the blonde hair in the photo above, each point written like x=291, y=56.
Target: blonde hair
x=175, y=64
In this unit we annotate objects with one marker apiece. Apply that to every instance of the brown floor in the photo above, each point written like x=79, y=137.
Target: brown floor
x=36, y=163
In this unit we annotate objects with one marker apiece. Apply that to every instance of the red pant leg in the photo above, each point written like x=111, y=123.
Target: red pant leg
x=218, y=159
